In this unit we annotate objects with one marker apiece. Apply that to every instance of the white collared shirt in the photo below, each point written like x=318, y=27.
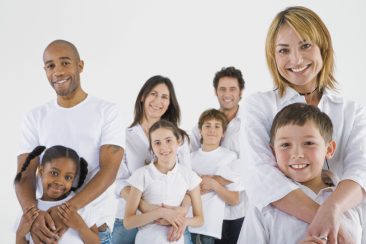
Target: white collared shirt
x=232, y=141
x=272, y=226
x=137, y=155
x=265, y=183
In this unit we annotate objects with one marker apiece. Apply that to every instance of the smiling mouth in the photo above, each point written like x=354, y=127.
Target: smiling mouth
x=60, y=82
x=300, y=69
x=298, y=166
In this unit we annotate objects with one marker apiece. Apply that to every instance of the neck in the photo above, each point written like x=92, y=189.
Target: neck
x=164, y=167
x=209, y=148
x=230, y=113
x=147, y=123
x=315, y=184
x=72, y=100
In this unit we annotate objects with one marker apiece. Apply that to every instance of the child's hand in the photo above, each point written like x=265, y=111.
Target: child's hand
x=175, y=234
x=179, y=210
x=207, y=184
x=173, y=217
x=313, y=240
x=70, y=217
x=26, y=221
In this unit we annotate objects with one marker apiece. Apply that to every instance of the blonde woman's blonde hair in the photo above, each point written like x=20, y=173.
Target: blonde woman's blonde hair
x=308, y=26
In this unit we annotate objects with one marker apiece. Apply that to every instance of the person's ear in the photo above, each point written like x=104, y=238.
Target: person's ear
x=81, y=66
x=331, y=147
x=40, y=170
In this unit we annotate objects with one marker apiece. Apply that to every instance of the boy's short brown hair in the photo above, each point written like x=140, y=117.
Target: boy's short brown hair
x=299, y=114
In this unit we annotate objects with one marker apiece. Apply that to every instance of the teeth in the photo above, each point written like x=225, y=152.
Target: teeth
x=298, y=166
x=60, y=81
x=298, y=69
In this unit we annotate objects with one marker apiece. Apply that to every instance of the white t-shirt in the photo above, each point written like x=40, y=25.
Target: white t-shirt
x=71, y=235
x=137, y=155
x=232, y=140
x=272, y=226
x=84, y=128
x=265, y=182
x=158, y=188
x=217, y=162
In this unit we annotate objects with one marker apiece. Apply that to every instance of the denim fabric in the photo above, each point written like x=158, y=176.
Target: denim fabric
x=121, y=235
x=105, y=237
x=202, y=239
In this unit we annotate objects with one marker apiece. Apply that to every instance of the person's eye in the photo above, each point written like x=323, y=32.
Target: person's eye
x=284, y=145
x=69, y=178
x=53, y=173
x=65, y=63
x=157, y=143
x=306, y=46
x=50, y=66
x=165, y=97
x=283, y=51
x=309, y=143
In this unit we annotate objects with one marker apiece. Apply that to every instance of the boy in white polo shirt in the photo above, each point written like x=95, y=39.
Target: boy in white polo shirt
x=301, y=139
x=214, y=164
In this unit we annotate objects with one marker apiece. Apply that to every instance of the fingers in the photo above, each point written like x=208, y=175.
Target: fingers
x=41, y=227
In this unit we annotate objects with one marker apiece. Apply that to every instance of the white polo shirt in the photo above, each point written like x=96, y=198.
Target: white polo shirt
x=137, y=155
x=158, y=188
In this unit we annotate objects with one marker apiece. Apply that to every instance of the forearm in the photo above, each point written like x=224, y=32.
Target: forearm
x=196, y=221
x=348, y=194
x=20, y=239
x=222, y=181
x=297, y=204
x=138, y=220
x=110, y=160
x=25, y=189
x=229, y=197
x=88, y=236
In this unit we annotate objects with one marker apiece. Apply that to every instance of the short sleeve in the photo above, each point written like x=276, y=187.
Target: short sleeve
x=137, y=179
x=194, y=180
x=113, y=131
x=28, y=136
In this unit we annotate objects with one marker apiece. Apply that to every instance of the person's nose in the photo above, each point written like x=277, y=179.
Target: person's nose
x=59, y=70
x=296, y=57
x=297, y=152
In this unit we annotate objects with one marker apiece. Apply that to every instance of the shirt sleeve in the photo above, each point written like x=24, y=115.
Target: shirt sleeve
x=354, y=160
x=113, y=129
x=194, y=180
x=28, y=136
x=137, y=179
x=254, y=230
x=264, y=182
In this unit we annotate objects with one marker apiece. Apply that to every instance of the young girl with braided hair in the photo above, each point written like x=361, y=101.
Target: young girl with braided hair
x=59, y=169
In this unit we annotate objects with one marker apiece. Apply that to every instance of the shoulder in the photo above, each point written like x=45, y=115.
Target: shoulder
x=41, y=109
x=101, y=103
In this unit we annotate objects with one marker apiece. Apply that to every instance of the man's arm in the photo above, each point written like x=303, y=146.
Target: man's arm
x=25, y=189
x=110, y=158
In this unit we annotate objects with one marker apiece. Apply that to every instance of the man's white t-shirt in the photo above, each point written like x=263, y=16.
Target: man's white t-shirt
x=84, y=128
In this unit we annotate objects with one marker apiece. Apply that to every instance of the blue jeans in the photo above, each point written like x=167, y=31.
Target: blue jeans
x=203, y=239
x=105, y=237
x=121, y=235
x=187, y=237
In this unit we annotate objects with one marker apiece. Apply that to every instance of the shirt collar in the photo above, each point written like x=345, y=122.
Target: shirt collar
x=158, y=173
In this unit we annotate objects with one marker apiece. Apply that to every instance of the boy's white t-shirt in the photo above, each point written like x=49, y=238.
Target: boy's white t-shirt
x=217, y=162
x=272, y=226
x=71, y=235
x=84, y=128
x=158, y=188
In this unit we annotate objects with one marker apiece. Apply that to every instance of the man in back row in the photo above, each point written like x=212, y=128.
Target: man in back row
x=90, y=126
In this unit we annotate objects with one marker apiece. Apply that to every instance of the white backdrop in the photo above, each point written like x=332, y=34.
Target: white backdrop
x=123, y=43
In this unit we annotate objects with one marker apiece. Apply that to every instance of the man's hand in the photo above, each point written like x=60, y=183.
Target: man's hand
x=208, y=184
x=26, y=221
x=61, y=227
x=43, y=229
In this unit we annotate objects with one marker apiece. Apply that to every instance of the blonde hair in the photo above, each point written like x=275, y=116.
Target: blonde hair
x=308, y=26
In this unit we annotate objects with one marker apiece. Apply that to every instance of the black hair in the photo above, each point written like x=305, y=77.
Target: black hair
x=229, y=72
x=56, y=152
